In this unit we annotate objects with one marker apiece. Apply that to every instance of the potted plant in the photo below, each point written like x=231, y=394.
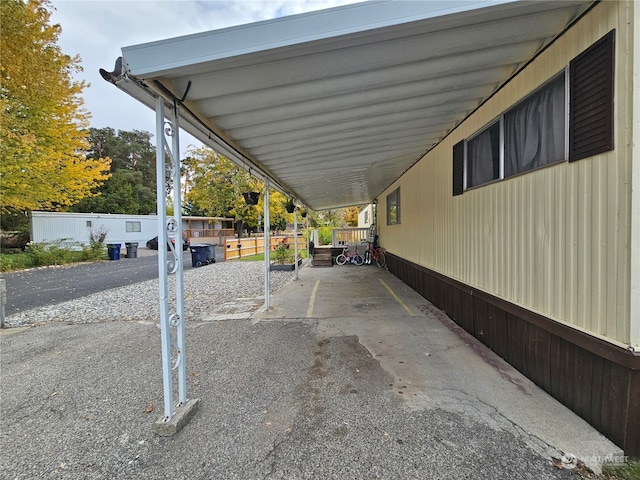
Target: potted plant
x=283, y=257
x=251, y=198
x=289, y=205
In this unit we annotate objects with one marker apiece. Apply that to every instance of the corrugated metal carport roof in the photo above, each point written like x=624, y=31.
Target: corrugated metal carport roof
x=337, y=104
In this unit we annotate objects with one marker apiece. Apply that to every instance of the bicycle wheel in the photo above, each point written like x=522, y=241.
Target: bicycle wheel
x=341, y=259
x=381, y=260
x=358, y=260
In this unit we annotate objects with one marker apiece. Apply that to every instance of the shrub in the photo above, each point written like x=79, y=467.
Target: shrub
x=97, y=237
x=283, y=253
x=14, y=261
x=51, y=253
x=325, y=235
x=43, y=254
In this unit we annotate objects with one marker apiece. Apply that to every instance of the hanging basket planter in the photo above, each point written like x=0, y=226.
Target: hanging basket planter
x=303, y=213
x=251, y=198
x=289, y=206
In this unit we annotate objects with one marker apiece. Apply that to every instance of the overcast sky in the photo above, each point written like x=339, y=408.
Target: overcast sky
x=97, y=30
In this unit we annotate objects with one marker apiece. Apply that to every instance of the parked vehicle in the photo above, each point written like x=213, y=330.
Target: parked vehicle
x=153, y=243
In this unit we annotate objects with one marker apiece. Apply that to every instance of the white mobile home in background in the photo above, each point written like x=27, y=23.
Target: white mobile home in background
x=121, y=228
x=76, y=227
x=365, y=216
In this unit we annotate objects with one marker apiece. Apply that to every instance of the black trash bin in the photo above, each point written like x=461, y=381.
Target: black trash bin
x=198, y=255
x=211, y=253
x=132, y=249
x=113, y=250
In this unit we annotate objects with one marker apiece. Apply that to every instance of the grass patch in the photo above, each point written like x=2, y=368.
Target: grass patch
x=51, y=253
x=260, y=257
x=627, y=471
x=249, y=258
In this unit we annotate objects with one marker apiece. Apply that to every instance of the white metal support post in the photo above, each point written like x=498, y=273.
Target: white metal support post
x=295, y=240
x=177, y=319
x=163, y=281
x=267, y=247
x=171, y=262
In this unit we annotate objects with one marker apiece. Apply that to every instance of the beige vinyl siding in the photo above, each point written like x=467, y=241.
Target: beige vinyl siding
x=555, y=240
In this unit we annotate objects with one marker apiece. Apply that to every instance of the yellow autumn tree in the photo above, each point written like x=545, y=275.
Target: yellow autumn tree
x=214, y=186
x=43, y=125
x=350, y=216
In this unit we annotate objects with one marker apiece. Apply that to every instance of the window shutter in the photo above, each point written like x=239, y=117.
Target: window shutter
x=591, y=100
x=458, y=168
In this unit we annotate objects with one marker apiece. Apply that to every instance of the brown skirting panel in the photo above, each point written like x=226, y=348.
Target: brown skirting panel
x=597, y=380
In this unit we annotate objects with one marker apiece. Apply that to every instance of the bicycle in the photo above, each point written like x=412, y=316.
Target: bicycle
x=351, y=257
x=374, y=253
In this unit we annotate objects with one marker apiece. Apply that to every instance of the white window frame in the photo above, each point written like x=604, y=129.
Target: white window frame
x=133, y=226
x=500, y=120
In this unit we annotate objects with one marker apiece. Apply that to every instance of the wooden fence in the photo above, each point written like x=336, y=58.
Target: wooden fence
x=248, y=246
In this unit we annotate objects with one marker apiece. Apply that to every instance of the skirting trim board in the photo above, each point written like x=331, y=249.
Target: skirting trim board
x=597, y=380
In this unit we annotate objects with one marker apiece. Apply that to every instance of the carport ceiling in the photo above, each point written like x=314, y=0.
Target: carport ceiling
x=335, y=105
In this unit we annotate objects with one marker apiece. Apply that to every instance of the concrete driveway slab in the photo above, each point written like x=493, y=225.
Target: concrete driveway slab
x=360, y=388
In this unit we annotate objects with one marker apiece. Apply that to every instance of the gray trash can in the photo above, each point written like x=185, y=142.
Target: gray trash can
x=132, y=249
x=211, y=253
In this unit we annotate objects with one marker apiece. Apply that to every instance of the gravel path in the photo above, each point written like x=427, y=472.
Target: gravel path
x=205, y=289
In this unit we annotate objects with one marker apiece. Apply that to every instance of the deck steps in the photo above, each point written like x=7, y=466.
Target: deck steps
x=322, y=259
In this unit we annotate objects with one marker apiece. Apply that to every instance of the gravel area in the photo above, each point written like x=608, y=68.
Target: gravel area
x=205, y=289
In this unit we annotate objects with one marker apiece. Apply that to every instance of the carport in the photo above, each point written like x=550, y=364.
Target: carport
x=329, y=107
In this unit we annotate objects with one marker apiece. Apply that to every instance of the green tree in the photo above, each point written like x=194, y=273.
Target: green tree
x=214, y=186
x=278, y=215
x=213, y=183
x=132, y=186
x=43, y=124
x=129, y=150
x=124, y=192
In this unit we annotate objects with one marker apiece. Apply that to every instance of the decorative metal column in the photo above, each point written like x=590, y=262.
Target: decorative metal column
x=170, y=263
x=267, y=247
x=295, y=240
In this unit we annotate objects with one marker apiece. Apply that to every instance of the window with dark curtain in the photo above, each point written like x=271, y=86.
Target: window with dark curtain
x=534, y=130
x=483, y=156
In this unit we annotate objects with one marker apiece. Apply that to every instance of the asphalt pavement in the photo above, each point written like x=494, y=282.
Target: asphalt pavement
x=277, y=402
x=350, y=375
x=39, y=287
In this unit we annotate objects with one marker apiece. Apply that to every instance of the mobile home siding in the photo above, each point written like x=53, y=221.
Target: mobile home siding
x=539, y=266
x=54, y=226
x=555, y=240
